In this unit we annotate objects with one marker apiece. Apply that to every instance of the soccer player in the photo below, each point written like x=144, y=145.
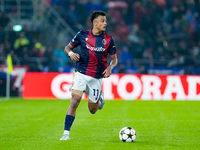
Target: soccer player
x=91, y=67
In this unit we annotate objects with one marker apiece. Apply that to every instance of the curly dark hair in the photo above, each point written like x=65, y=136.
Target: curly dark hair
x=96, y=14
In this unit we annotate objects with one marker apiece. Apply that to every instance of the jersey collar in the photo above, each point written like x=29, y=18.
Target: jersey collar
x=96, y=35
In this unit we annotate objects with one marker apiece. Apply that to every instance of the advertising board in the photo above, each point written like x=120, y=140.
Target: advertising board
x=116, y=87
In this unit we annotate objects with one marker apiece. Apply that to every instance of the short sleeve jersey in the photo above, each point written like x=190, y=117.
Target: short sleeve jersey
x=94, y=51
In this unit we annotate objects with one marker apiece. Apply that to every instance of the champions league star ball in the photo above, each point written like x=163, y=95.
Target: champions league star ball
x=127, y=134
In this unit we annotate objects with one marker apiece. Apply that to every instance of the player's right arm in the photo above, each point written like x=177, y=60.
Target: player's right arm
x=74, y=43
x=70, y=53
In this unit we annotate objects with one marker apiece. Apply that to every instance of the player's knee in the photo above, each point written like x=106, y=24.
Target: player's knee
x=75, y=101
x=77, y=93
x=93, y=111
x=76, y=97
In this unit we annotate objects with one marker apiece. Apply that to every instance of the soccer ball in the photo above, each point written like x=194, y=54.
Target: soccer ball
x=127, y=134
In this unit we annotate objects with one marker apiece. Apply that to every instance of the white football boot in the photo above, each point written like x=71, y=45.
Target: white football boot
x=65, y=136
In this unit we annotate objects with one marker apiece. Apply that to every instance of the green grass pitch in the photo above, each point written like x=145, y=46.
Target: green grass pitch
x=38, y=125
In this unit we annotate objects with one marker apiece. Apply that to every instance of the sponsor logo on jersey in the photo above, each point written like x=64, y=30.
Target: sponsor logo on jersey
x=97, y=49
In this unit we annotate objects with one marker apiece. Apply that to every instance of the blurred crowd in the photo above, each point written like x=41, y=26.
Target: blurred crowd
x=158, y=33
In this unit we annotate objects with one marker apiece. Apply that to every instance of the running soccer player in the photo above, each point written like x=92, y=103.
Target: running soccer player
x=91, y=67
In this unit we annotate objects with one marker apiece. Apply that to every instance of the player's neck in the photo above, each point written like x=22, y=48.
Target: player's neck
x=96, y=32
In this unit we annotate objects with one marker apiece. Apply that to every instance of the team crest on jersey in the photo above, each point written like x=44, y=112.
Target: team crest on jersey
x=104, y=42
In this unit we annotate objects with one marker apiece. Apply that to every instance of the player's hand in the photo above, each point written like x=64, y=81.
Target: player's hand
x=107, y=72
x=75, y=57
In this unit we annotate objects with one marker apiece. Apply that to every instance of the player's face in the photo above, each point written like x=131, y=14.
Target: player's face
x=101, y=23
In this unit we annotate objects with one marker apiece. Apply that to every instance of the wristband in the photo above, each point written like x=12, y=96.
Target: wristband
x=70, y=53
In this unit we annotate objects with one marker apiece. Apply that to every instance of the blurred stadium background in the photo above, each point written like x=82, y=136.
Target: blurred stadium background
x=152, y=36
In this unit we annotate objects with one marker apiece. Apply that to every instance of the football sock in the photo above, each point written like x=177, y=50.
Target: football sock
x=68, y=122
x=101, y=100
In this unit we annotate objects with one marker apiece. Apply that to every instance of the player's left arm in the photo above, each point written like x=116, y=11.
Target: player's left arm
x=107, y=72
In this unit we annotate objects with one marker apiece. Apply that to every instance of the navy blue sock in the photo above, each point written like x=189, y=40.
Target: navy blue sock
x=68, y=122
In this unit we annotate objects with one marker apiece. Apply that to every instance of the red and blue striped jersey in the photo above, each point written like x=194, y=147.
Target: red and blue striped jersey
x=94, y=51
